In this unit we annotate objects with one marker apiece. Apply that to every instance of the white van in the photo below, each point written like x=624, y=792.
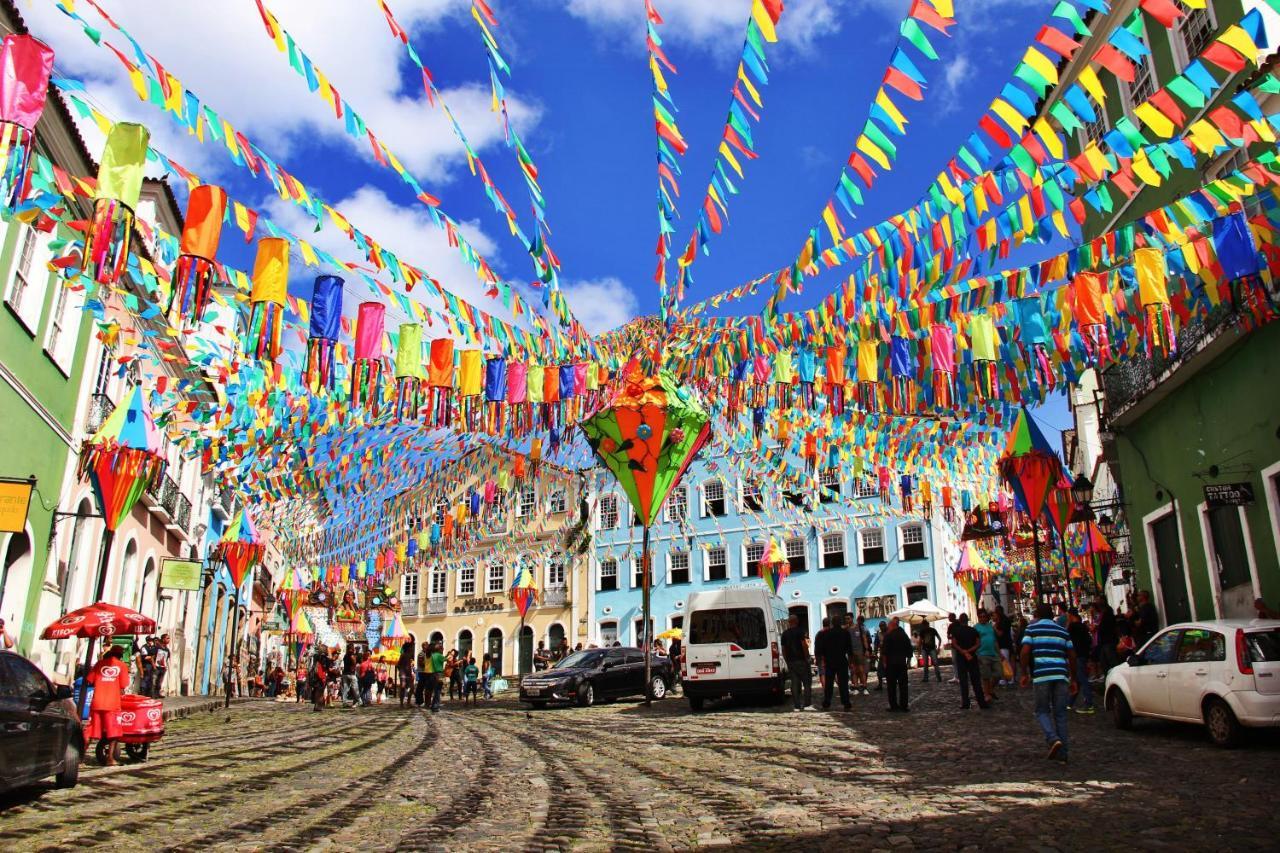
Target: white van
x=733, y=645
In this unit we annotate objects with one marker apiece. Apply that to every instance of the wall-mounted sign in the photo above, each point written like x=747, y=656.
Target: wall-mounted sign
x=180, y=574
x=1228, y=494
x=479, y=605
x=876, y=606
x=15, y=499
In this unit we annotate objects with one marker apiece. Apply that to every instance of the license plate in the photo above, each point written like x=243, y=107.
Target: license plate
x=534, y=691
x=706, y=670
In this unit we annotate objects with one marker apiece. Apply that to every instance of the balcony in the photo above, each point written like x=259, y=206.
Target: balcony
x=184, y=514
x=222, y=502
x=168, y=501
x=408, y=607
x=1129, y=383
x=437, y=605
x=262, y=577
x=555, y=596
x=100, y=408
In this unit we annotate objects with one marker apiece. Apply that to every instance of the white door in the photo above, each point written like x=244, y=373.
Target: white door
x=1150, y=681
x=1201, y=653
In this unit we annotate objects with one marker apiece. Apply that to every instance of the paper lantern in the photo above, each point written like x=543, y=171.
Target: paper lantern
x=196, y=272
x=470, y=388
x=25, y=66
x=1153, y=294
x=902, y=366
x=1029, y=465
x=982, y=343
x=942, y=356
x=869, y=375
x=266, y=298
x=326, y=323
x=366, y=368
x=835, y=356
x=123, y=458
x=1034, y=334
x=119, y=185
x=410, y=387
x=1086, y=293
x=807, y=370
x=440, y=378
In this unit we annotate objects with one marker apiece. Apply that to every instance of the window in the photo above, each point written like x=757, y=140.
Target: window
x=677, y=505
x=528, y=499
x=439, y=583
x=912, y=541
x=743, y=626
x=442, y=509
x=713, y=499
x=868, y=488
x=22, y=296
x=679, y=567
x=467, y=580
x=1195, y=31
x=1144, y=80
x=1093, y=130
x=556, y=502
x=872, y=545
x=608, y=574
x=635, y=518
x=608, y=633
x=555, y=571
x=796, y=555
x=916, y=592
x=752, y=500
x=1201, y=646
x=829, y=481
x=409, y=585
x=833, y=551
x=496, y=579
x=608, y=512
x=1163, y=649
x=755, y=553
x=637, y=573
x=60, y=340
x=102, y=380
x=638, y=635
x=717, y=563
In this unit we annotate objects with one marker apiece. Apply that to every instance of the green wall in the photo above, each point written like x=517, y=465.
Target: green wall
x=1227, y=414
x=28, y=445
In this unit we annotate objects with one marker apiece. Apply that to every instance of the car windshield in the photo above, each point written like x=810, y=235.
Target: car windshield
x=1264, y=646
x=742, y=625
x=580, y=659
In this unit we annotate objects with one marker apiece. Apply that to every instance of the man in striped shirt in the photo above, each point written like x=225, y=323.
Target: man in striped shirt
x=1049, y=662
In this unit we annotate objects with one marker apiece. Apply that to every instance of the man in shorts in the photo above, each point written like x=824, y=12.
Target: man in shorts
x=988, y=654
x=858, y=657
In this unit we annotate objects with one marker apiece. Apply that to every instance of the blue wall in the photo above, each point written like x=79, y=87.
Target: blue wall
x=817, y=588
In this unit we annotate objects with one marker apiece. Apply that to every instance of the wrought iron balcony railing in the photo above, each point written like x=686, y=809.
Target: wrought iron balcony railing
x=183, y=516
x=555, y=596
x=100, y=408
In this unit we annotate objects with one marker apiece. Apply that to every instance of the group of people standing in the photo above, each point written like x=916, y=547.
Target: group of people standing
x=423, y=674
x=845, y=652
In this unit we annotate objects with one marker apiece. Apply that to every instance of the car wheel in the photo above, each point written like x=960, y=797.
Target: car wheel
x=538, y=706
x=70, y=767
x=695, y=703
x=1121, y=713
x=587, y=695
x=658, y=687
x=1224, y=728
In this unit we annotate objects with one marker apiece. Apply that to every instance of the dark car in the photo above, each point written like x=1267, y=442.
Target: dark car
x=593, y=675
x=39, y=733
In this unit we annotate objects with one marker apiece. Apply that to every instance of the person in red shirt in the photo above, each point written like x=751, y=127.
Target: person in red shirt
x=109, y=678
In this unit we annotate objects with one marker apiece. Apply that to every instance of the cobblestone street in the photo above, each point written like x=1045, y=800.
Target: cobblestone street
x=498, y=778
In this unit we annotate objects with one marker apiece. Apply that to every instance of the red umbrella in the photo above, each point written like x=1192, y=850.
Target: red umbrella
x=100, y=620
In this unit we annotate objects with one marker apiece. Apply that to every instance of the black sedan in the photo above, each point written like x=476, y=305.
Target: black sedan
x=39, y=733
x=594, y=675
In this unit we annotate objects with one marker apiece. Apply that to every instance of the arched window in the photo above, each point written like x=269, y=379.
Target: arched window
x=17, y=558
x=608, y=632
x=128, y=569
x=437, y=637
x=525, y=656
x=493, y=648
x=465, y=641
x=69, y=573
x=555, y=637
x=145, y=597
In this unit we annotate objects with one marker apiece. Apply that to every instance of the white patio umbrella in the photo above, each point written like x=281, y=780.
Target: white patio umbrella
x=923, y=610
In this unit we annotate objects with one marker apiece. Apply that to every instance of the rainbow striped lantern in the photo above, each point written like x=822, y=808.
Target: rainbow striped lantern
x=903, y=367
x=119, y=185
x=983, y=342
x=1153, y=293
x=774, y=567
x=196, y=271
x=366, y=370
x=784, y=376
x=25, y=66
x=973, y=573
x=266, y=298
x=836, y=354
x=524, y=590
x=326, y=322
x=495, y=394
x=1090, y=316
x=440, y=378
x=410, y=377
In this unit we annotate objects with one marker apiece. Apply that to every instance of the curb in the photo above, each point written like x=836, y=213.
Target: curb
x=212, y=703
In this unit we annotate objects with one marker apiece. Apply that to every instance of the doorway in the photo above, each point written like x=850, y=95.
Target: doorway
x=525, y=654
x=1167, y=553
x=493, y=648
x=801, y=612
x=555, y=639
x=1229, y=557
x=836, y=611
x=464, y=643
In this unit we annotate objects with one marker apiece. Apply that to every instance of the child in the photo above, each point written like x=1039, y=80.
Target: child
x=470, y=680
x=489, y=676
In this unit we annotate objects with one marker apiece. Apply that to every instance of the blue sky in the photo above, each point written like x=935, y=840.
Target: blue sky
x=580, y=92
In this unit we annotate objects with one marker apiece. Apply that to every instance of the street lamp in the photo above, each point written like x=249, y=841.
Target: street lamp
x=1082, y=490
x=1107, y=526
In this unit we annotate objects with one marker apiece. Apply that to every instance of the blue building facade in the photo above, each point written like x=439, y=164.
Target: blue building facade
x=848, y=553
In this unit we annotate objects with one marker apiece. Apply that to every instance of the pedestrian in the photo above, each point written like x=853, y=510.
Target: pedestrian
x=896, y=650
x=6, y=639
x=676, y=649
x=488, y=673
x=109, y=678
x=955, y=658
x=319, y=677
x=832, y=651
x=1081, y=644
x=929, y=641
x=964, y=649
x=1048, y=662
x=817, y=644
x=421, y=685
x=988, y=653
x=368, y=677
x=1146, y=620
x=795, y=651
x=350, y=679
x=160, y=662
x=1106, y=636
x=144, y=661
x=404, y=670
x=470, y=680
x=1004, y=642
x=1062, y=616
x=858, y=657
x=541, y=659
x=435, y=676
x=453, y=673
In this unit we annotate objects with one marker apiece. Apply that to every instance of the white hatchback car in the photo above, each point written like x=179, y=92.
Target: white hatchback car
x=1223, y=674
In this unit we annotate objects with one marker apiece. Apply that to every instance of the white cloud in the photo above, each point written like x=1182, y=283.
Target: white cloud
x=715, y=26
x=600, y=304
x=957, y=73
x=221, y=52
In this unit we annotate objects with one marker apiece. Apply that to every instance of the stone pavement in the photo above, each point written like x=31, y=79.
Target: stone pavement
x=277, y=776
